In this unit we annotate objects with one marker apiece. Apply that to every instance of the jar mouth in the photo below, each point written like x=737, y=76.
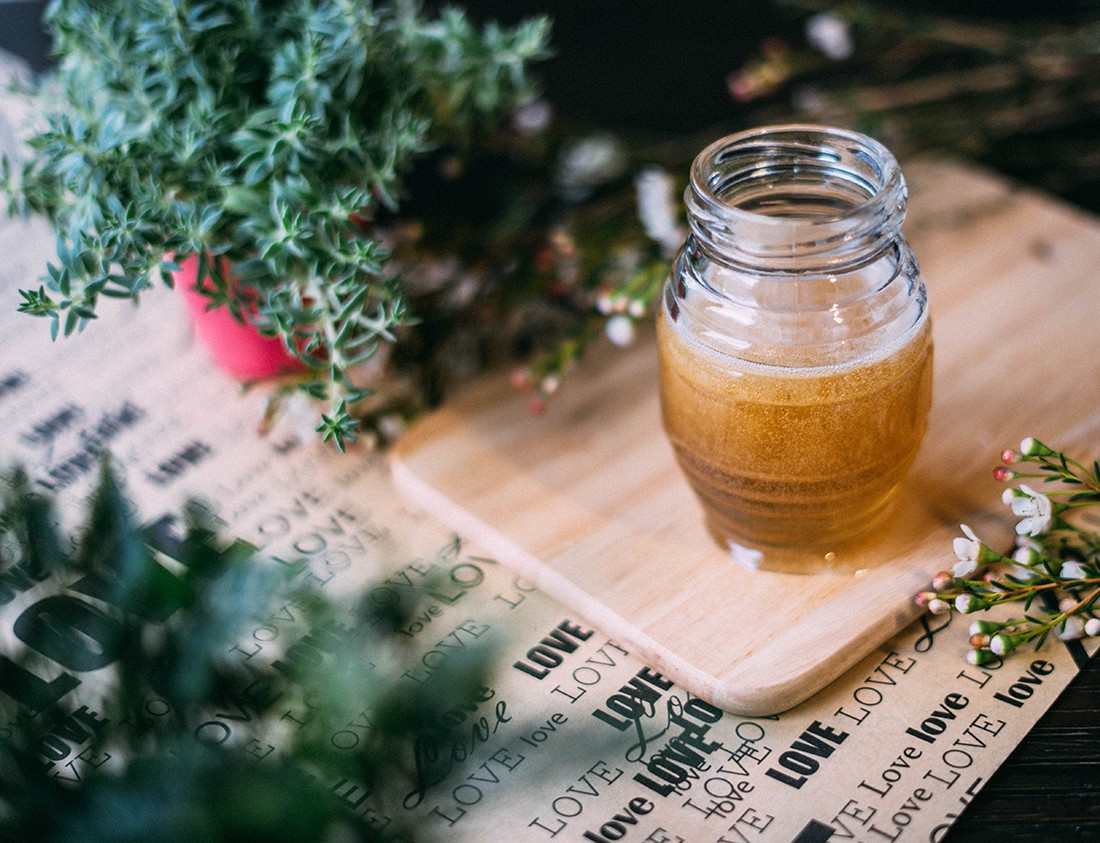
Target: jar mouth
x=795, y=191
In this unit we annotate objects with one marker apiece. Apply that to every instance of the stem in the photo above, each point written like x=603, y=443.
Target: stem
x=337, y=361
x=1020, y=594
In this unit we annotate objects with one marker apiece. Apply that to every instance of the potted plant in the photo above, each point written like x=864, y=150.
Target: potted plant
x=253, y=145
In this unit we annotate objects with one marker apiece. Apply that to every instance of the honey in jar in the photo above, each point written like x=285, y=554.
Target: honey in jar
x=794, y=338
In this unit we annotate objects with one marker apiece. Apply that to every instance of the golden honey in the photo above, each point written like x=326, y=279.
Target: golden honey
x=794, y=456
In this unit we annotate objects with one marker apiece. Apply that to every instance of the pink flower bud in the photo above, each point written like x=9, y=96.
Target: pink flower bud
x=943, y=581
x=521, y=379
x=1009, y=456
x=1003, y=474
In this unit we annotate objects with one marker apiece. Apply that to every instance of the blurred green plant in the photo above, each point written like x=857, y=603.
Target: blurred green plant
x=133, y=750
x=1017, y=93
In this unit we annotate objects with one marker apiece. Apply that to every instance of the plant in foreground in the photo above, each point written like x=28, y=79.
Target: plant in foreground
x=125, y=715
x=1054, y=571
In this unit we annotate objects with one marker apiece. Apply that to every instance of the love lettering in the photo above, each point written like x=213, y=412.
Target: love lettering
x=935, y=724
x=547, y=654
x=1021, y=690
x=616, y=827
x=816, y=741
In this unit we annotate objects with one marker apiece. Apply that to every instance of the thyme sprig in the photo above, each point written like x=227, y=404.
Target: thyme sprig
x=1056, y=562
x=263, y=139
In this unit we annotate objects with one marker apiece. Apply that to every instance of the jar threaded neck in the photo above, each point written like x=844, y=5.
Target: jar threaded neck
x=795, y=198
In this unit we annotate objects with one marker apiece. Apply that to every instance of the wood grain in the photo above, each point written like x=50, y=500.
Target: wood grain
x=587, y=502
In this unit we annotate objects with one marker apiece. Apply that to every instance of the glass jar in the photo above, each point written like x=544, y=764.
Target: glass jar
x=794, y=339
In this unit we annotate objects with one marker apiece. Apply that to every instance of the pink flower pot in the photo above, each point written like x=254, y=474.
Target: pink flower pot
x=235, y=347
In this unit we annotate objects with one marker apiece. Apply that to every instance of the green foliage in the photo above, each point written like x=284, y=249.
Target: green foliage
x=262, y=138
x=167, y=626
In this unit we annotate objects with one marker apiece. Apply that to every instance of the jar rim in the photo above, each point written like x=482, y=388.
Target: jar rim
x=795, y=196
x=889, y=176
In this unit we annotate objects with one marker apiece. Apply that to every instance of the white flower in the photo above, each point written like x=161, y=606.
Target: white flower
x=830, y=34
x=590, y=162
x=1032, y=447
x=1002, y=644
x=969, y=551
x=1073, y=628
x=1092, y=627
x=657, y=208
x=939, y=607
x=978, y=657
x=808, y=99
x=1028, y=552
x=1072, y=571
x=1034, y=508
x=967, y=603
x=391, y=426
x=620, y=330
x=1025, y=557
x=532, y=117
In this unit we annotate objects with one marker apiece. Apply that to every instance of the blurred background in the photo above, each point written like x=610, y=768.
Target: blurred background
x=1013, y=85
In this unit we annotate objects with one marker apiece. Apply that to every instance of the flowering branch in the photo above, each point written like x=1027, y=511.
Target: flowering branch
x=613, y=285
x=985, y=86
x=1055, y=558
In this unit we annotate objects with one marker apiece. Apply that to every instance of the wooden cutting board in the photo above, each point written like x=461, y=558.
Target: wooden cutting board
x=587, y=502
